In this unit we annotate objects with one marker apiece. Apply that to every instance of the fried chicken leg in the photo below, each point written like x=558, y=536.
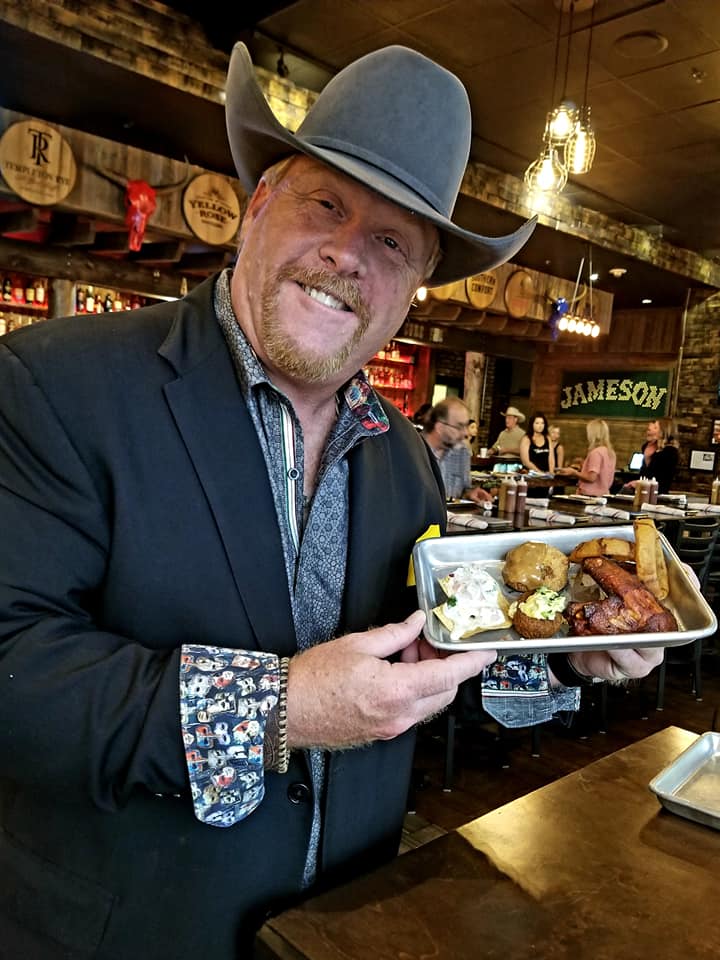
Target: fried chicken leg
x=630, y=608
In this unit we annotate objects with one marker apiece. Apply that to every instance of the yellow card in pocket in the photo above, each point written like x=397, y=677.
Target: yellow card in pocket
x=431, y=533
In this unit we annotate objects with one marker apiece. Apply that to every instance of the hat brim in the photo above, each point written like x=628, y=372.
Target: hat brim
x=258, y=140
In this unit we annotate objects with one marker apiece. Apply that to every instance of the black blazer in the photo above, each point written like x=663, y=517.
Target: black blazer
x=136, y=516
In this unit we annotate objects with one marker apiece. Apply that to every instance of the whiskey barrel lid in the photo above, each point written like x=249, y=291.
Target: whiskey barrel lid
x=37, y=162
x=211, y=208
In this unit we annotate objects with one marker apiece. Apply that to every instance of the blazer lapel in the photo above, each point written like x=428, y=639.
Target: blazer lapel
x=210, y=413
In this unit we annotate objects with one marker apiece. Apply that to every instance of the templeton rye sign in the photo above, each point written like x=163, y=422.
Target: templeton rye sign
x=641, y=394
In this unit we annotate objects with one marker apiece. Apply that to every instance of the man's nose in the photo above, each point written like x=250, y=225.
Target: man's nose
x=345, y=249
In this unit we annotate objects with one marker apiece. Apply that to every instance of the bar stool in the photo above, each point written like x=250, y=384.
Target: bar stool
x=695, y=546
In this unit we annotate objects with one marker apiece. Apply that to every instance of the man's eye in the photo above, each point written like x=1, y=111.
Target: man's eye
x=389, y=242
x=328, y=204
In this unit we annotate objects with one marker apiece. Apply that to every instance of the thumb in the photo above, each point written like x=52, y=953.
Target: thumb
x=381, y=642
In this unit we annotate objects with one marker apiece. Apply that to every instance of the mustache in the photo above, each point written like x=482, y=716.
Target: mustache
x=342, y=288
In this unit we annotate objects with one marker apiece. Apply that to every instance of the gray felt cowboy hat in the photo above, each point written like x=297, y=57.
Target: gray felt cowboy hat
x=393, y=120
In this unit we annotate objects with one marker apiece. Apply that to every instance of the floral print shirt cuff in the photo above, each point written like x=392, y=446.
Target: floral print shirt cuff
x=225, y=698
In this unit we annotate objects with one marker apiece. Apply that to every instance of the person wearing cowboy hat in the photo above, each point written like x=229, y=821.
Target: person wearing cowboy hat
x=206, y=533
x=509, y=439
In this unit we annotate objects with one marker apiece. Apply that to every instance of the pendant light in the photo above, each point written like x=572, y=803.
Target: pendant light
x=563, y=117
x=580, y=146
x=547, y=174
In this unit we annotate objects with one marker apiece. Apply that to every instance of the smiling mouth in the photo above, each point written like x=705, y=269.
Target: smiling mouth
x=326, y=299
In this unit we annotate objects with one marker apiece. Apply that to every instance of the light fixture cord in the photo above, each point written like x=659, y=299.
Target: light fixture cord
x=589, y=49
x=557, y=56
x=567, y=59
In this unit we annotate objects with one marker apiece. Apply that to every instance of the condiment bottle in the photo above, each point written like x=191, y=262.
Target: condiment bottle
x=715, y=491
x=511, y=496
x=521, y=495
x=642, y=493
x=653, y=494
x=502, y=495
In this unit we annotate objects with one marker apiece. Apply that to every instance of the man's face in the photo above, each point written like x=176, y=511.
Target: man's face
x=326, y=272
x=455, y=429
x=510, y=421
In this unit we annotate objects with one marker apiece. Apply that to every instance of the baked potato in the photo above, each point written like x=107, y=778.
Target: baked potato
x=535, y=564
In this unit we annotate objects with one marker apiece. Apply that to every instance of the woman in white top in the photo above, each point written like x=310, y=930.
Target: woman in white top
x=598, y=470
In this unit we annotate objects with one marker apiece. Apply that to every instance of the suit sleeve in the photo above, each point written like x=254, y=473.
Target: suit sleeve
x=88, y=711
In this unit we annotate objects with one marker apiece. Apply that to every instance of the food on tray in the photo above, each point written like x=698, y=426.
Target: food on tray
x=538, y=614
x=630, y=607
x=649, y=558
x=612, y=547
x=534, y=564
x=474, y=602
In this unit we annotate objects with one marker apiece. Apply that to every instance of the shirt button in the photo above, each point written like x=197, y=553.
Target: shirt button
x=298, y=793
x=293, y=473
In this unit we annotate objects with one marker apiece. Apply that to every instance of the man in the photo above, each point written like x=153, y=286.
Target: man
x=508, y=440
x=194, y=494
x=446, y=431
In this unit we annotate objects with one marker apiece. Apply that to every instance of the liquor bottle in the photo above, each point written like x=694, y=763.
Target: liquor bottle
x=7, y=290
x=40, y=295
x=715, y=491
x=29, y=291
x=109, y=299
x=117, y=302
x=90, y=299
x=80, y=300
x=18, y=294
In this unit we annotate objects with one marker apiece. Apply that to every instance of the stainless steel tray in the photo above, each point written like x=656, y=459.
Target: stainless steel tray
x=690, y=785
x=433, y=559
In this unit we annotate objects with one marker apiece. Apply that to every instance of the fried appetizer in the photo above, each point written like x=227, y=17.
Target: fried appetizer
x=612, y=547
x=474, y=602
x=649, y=557
x=629, y=608
x=539, y=614
x=535, y=564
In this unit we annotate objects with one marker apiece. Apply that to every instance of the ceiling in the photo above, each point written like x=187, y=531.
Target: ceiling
x=654, y=89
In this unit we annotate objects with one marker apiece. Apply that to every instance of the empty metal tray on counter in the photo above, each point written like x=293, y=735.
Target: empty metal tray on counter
x=690, y=785
x=434, y=559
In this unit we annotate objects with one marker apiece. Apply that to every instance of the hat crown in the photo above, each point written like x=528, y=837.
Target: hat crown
x=405, y=114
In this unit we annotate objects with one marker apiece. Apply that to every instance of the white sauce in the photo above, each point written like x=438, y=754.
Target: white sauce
x=476, y=594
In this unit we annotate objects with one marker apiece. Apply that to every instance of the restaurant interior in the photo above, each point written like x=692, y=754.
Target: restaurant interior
x=619, y=284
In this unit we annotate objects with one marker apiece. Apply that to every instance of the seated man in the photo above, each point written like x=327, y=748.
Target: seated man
x=508, y=440
x=446, y=430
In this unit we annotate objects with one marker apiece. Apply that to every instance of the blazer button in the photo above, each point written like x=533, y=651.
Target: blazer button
x=298, y=793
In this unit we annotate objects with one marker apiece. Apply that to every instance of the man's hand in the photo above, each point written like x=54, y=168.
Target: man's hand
x=617, y=665
x=477, y=494
x=344, y=693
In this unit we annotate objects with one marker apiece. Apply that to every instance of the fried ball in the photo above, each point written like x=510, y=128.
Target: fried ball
x=535, y=564
x=534, y=628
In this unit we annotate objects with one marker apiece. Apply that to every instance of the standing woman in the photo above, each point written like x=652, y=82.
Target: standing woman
x=598, y=470
x=536, y=451
x=557, y=448
x=660, y=455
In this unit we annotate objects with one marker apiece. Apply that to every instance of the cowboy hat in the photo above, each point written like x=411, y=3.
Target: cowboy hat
x=393, y=120
x=513, y=412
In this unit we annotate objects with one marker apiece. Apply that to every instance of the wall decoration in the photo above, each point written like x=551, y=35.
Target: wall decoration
x=629, y=394
x=702, y=460
x=211, y=208
x=37, y=162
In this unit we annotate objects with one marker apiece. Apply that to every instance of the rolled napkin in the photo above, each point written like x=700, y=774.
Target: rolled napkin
x=661, y=509
x=704, y=507
x=601, y=511
x=552, y=516
x=537, y=502
x=467, y=520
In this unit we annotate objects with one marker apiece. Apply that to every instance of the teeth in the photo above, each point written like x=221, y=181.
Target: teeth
x=325, y=298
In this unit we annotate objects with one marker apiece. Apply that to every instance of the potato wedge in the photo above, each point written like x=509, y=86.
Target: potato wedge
x=649, y=558
x=612, y=547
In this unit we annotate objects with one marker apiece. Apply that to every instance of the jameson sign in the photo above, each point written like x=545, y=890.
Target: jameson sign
x=615, y=394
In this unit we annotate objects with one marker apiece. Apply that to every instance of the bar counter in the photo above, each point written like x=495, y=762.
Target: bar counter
x=589, y=866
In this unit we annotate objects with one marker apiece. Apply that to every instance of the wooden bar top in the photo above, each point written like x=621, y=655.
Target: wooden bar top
x=589, y=866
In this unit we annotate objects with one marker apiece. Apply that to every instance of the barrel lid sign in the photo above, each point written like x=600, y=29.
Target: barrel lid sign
x=211, y=208
x=628, y=394
x=37, y=162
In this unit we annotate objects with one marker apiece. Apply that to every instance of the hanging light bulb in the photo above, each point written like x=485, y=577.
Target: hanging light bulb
x=580, y=146
x=595, y=332
x=547, y=174
x=421, y=294
x=572, y=323
x=587, y=328
x=562, y=323
x=561, y=122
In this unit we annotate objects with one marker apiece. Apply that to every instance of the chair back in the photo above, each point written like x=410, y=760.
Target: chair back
x=695, y=543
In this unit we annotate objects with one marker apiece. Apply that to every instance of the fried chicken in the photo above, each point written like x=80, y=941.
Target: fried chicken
x=629, y=608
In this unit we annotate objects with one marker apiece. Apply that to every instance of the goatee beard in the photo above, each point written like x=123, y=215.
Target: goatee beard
x=286, y=354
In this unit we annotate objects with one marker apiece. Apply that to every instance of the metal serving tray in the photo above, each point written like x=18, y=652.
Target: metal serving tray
x=434, y=559
x=690, y=785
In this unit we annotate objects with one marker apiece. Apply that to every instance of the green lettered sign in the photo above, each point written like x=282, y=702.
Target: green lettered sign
x=643, y=394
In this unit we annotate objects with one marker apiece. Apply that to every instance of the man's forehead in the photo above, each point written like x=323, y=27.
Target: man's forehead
x=317, y=174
